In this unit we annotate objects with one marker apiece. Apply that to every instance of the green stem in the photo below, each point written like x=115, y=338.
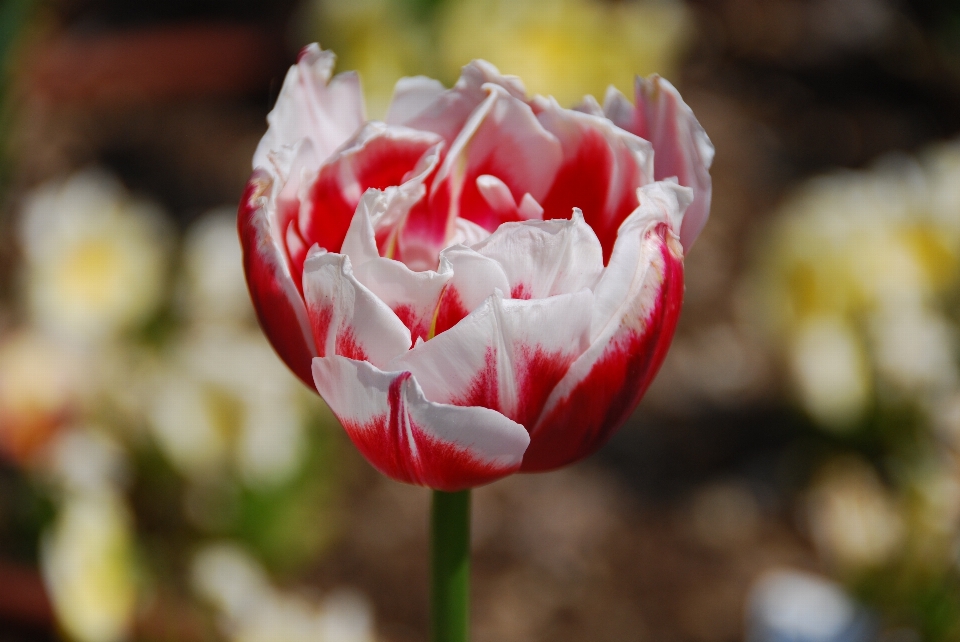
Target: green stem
x=450, y=566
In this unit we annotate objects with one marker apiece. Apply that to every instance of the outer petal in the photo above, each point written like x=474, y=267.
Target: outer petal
x=603, y=166
x=507, y=355
x=312, y=106
x=414, y=440
x=545, y=258
x=276, y=298
x=346, y=318
x=637, y=306
x=682, y=147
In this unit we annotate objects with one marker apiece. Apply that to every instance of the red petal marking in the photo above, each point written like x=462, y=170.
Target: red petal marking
x=584, y=181
x=402, y=450
x=519, y=291
x=483, y=389
x=450, y=310
x=537, y=373
x=262, y=264
x=296, y=250
x=418, y=325
x=346, y=343
x=347, y=346
x=382, y=162
x=320, y=324
x=607, y=396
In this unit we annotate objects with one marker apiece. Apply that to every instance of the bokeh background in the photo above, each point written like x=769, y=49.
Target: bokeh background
x=793, y=474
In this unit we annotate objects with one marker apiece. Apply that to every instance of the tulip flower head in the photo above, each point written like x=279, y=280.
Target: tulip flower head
x=485, y=282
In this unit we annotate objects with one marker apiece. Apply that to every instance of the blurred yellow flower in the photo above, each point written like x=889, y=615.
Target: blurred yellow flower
x=87, y=555
x=566, y=48
x=854, y=521
x=87, y=564
x=851, y=284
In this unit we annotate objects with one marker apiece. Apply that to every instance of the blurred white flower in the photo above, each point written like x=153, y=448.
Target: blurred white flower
x=254, y=611
x=215, y=289
x=830, y=372
x=915, y=349
x=224, y=399
x=87, y=562
x=85, y=459
x=853, y=520
x=96, y=259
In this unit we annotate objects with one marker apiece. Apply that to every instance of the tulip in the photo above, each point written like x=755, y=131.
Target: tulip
x=482, y=284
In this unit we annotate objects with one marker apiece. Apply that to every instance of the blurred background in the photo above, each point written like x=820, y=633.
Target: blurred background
x=793, y=474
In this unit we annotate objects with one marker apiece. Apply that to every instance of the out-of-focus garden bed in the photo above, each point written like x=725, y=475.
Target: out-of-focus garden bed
x=164, y=478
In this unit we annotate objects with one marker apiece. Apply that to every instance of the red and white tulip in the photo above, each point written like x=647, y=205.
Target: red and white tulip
x=484, y=283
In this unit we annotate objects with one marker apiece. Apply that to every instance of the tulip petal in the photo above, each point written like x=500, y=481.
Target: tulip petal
x=504, y=140
x=312, y=106
x=411, y=295
x=635, y=313
x=603, y=166
x=475, y=278
x=411, y=96
x=545, y=258
x=507, y=355
x=449, y=110
x=347, y=318
x=276, y=298
x=682, y=147
x=414, y=440
x=379, y=156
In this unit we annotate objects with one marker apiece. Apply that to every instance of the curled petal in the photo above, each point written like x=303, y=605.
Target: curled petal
x=504, y=140
x=411, y=439
x=411, y=96
x=475, y=278
x=411, y=295
x=311, y=106
x=637, y=306
x=347, y=318
x=603, y=166
x=545, y=258
x=507, y=355
x=682, y=147
x=275, y=295
x=378, y=157
x=418, y=104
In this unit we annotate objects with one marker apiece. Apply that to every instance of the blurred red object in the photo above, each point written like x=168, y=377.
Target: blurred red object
x=152, y=64
x=23, y=598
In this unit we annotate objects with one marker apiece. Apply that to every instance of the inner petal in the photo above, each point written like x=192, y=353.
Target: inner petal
x=379, y=156
x=509, y=151
x=602, y=168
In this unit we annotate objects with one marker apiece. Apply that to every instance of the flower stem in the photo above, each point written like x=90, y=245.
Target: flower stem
x=450, y=566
